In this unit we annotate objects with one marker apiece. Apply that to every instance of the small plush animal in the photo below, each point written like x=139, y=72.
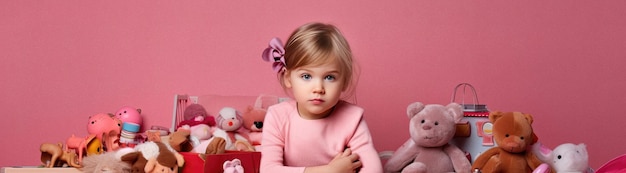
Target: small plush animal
x=233, y=166
x=229, y=122
x=253, y=119
x=565, y=158
x=154, y=157
x=513, y=134
x=428, y=150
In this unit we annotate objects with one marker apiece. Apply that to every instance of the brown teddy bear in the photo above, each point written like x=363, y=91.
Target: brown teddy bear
x=513, y=134
x=431, y=128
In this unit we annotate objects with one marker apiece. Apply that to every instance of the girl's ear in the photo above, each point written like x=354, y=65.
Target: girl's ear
x=287, y=79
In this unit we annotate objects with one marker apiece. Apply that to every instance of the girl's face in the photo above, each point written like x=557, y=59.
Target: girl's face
x=316, y=89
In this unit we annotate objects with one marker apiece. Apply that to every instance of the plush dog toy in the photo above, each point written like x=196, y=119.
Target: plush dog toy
x=229, y=123
x=151, y=157
x=431, y=128
x=513, y=134
x=564, y=158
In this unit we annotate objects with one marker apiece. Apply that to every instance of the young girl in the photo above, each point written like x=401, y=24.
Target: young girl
x=316, y=131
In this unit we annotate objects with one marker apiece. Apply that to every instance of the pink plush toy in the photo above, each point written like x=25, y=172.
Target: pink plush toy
x=431, y=128
x=566, y=157
x=196, y=114
x=253, y=121
x=233, y=166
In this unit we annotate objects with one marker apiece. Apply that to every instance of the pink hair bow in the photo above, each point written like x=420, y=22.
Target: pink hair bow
x=275, y=53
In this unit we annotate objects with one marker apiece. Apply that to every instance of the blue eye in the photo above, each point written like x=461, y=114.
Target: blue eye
x=330, y=77
x=305, y=76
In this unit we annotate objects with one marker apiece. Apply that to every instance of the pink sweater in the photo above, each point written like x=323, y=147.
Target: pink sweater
x=291, y=143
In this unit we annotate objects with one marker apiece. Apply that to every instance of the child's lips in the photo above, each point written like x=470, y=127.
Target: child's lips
x=317, y=101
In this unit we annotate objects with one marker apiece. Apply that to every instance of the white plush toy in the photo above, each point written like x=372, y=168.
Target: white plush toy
x=229, y=121
x=565, y=158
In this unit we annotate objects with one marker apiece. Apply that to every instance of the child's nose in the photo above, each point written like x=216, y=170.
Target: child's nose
x=319, y=87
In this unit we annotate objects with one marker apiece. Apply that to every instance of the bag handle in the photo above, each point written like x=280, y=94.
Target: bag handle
x=464, y=86
x=259, y=100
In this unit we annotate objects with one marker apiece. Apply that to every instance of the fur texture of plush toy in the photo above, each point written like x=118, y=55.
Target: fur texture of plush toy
x=105, y=163
x=428, y=150
x=513, y=134
x=565, y=158
x=154, y=157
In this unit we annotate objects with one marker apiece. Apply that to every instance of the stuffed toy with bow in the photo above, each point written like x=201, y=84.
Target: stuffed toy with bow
x=431, y=127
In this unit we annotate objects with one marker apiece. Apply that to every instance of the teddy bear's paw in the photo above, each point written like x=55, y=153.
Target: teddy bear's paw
x=415, y=167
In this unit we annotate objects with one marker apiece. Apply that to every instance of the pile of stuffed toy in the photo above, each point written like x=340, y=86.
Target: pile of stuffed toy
x=517, y=150
x=115, y=143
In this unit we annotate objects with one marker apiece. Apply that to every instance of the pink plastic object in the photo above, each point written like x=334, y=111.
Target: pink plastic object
x=107, y=129
x=543, y=168
x=78, y=144
x=618, y=164
x=129, y=114
x=103, y=123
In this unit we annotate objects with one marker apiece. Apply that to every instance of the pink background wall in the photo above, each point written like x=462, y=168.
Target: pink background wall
x=562, y=61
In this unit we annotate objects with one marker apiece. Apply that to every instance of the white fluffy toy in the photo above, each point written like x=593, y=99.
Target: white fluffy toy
x=565, y=158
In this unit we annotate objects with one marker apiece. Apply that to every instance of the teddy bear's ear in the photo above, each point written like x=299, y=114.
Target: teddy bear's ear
x=456, y=110
x=130, y=157
x=495, y=115
x=414, y=108
x=529, y=118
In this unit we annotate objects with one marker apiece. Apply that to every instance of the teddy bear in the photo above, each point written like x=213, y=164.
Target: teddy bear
x=513, y=134
x=253, y=121
x=428, y=150
x=566, y=157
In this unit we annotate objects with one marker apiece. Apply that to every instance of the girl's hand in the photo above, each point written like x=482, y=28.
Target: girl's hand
x=345, y=162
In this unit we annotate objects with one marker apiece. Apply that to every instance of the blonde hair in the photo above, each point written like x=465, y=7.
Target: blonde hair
x=315, y=44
